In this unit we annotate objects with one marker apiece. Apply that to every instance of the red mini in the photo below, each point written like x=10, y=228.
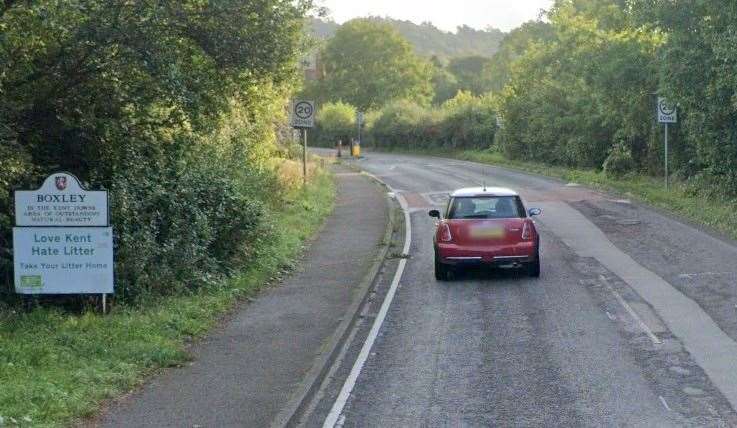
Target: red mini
x=486, y=226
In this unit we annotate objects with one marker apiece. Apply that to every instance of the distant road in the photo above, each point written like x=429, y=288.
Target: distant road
x=631, y=324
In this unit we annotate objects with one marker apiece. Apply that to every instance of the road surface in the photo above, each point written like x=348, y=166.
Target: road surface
x=632, y=323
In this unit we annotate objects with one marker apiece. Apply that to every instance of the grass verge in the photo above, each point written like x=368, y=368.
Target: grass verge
x=719, y=214
x=56, y=366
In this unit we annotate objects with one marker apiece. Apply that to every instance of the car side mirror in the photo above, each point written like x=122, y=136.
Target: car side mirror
x=534, y=211
x=434, y=213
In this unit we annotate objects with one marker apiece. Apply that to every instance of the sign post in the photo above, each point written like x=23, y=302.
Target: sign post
x=667, y=113
x=359, y=123
x=303, y=117
x=63, y=241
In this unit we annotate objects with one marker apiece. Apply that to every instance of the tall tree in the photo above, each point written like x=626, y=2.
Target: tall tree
x=697, y=68
x=368, y=64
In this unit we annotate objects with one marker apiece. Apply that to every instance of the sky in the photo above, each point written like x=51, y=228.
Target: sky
x=444, y=14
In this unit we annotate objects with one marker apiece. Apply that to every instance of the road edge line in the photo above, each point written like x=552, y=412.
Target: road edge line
x=345, y=392
x=292, y=411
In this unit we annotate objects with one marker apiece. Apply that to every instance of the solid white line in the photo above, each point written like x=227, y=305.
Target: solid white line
x=653, y=338
x=345, y=392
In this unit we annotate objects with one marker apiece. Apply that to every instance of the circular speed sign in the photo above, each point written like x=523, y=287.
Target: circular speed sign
x=665, y=108
x=303, y=110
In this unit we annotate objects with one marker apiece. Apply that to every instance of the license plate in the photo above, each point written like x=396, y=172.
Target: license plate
x=487, y=233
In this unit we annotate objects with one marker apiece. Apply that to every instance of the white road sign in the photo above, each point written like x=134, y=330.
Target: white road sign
x=303, y=114
x=63, y=260
x=61, y=201
x=667, y=112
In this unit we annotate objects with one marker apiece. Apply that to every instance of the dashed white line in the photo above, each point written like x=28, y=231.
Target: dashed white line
x=665, y=403
x=335, y=417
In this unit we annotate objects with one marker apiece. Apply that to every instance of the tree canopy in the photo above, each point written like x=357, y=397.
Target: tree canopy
x=160, y=101
x=428, y=40
x=368, y=64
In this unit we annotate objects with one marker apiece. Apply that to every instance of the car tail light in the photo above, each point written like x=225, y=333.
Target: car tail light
x=444, y=233
x=526, y=231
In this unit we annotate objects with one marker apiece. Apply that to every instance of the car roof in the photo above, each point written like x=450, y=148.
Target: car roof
x=483, y=191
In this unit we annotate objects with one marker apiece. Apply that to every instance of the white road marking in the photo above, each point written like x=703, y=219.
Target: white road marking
x=696, y=275
x=665, y=403
x=653, y=338
x=335, y=416
x=444, y=195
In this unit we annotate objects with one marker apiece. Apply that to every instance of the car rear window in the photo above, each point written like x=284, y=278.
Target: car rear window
x=486, y=207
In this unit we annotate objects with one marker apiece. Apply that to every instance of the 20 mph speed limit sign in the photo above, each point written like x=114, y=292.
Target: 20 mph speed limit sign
x=303, y=114
x=667, y=112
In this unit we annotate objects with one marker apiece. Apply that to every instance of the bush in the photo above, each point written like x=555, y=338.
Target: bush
x=468, y=122
x=181, y=127
x=404, y=124
x=462, y=122
x=178, y=224
x=619, y=162
x=335, y=121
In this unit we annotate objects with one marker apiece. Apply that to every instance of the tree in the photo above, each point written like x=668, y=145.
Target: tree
x=468, y=71
x=697, y=65
x=444, y=83
x=573, y=98
x=368, y=64
x=160, y=102
x=497, y=71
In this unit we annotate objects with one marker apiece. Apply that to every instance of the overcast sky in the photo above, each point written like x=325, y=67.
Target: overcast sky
x=445, y=14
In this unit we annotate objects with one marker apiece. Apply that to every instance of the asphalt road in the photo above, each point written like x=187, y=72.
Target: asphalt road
x=631, y=324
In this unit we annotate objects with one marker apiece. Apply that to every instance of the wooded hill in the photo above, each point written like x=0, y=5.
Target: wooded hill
x=429, y=40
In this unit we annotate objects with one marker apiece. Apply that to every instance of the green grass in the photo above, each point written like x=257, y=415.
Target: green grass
x=57, y=366
x=719, y=214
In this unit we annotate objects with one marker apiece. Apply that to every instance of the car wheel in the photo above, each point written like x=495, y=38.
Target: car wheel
x=533, y=269
x=441, y=270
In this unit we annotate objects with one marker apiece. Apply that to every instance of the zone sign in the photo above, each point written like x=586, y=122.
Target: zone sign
x=667, y=112
x=303, y=114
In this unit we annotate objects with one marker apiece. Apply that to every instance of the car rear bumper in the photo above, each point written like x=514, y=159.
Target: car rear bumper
x=452, y=254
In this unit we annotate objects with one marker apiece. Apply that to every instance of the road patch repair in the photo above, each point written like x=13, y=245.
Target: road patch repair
x=707, y=343
x=259, y=367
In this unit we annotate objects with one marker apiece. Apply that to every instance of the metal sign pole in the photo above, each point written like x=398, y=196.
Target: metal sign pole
x=304, y=160
x=666, y=156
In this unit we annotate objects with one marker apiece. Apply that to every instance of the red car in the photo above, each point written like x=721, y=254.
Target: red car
x=486, y=226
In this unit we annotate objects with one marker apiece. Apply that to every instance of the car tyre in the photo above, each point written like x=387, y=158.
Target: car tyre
x=441, y=270
x=533, y=269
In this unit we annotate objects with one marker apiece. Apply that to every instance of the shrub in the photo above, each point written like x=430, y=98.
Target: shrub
x=335, y=121
x=462, y=122
x=468, y=122
x=404, y=124
x=619, y=162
